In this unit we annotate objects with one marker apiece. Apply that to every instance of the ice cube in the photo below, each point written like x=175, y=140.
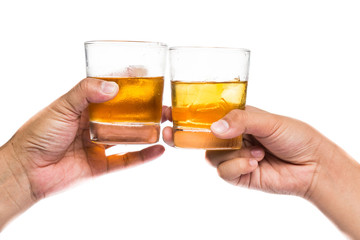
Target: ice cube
x=130, y=72
x=233, y=94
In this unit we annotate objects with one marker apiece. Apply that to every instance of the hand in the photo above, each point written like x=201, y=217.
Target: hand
x=284, y=155
x=279, y=154
x=54, y=148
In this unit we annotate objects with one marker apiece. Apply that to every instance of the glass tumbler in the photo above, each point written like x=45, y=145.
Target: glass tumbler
x=133, y=116
x=206, y=84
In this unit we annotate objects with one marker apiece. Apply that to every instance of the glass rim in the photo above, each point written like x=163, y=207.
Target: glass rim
x=150, y=43
x=208, y=48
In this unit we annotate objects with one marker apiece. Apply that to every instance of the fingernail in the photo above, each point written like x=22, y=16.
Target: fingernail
x=108, y=87
x=253, y=162
x=256, y=153
x=220, y=126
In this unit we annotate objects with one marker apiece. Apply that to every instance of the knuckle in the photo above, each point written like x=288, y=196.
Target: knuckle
x=236, y=115
x=142, y=156
x=126, y=160
x=209, y=156
x=242, y=165
x=83, y=85
x=222, y=172
x=243, y=152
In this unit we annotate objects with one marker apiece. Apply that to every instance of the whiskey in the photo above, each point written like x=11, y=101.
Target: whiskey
x=196, y=105
x=134, y=114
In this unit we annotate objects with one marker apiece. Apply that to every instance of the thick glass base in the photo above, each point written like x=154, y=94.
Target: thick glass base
x=203, y=139
x=124, y=133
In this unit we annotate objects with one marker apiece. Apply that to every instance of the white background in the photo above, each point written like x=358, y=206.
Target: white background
x=305, y=63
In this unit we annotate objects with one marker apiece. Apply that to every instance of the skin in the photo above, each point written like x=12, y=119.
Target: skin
x=280, y=155
x=286, y=156
x=53, y=150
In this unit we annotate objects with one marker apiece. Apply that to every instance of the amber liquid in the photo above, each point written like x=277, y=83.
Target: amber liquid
x=133, y=116
x=196, y=105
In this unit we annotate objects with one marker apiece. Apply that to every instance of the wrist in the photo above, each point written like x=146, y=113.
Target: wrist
x=335, y=189
x=15, y=189
x=335, y=172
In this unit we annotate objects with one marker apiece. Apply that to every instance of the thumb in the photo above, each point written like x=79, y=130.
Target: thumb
x=88, y=90
x=250, y=121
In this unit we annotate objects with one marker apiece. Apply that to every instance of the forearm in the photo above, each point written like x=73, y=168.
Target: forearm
x=15, y=191
x=337, y=190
